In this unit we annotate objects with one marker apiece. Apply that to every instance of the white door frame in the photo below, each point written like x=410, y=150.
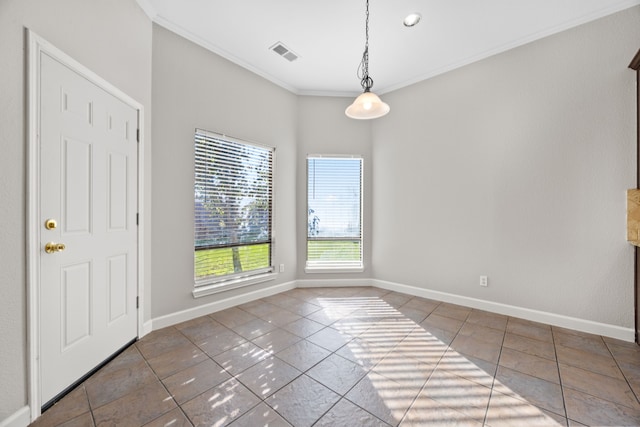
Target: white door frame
x=36, y=47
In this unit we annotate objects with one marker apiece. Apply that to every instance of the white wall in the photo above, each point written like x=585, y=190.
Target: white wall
x=194, y=88
x=323, y=128
x=86, y=30
x=516, y=167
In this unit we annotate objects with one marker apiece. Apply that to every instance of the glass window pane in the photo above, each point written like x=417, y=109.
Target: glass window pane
x=233, y=195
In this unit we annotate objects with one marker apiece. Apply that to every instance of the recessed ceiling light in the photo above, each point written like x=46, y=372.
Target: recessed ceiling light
x=412, y=19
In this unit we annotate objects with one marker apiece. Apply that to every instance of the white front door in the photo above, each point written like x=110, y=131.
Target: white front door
x=87, y=219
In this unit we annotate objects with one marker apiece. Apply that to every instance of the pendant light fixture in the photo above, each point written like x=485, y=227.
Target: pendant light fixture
x=368, y=105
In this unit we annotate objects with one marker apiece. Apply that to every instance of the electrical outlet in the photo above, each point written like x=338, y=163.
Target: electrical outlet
x=281, y=268
x=484, y=281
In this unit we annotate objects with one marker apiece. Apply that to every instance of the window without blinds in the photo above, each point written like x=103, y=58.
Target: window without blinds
x=233, y=208
x=334, y=206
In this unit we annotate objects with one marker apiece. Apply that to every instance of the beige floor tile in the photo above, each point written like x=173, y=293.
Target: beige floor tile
x=173, y=418
x=530, y=346
x=260, y=416
x=303, y=355
x=197, y=379
x=414, y=314
x=452, y=310
x=482, y=333
x=345, y=413
x=303, y=327
x=457, y=393
x=422, y=304
x=471, y=368
x=137, y=408
x=442, y=322
x=529, y=329
x=442, y=335
x=199, y=328
x=404, y=370
x=220, y=405
x=303, y=401
x=395, y=299
x=470, y=346
x=259, y=308
x=383, y=397
x=535, y=391
x=253, y=328
x=353, y=326
x=224, y=339
x=529, y=364
x=509, y=411
x=161, y=341
x=422, y=346
x=365, y=353
x=71, y=406
x=337, y=373
x=329, y=339
x=241, y=357
x=176, y=360
x=268, y=376
x=428, y=412
x=110, y=384
x=304, y=309
x=232, y=317
x=602, y=386
x=593, y=362
x=84, y=420
x=590, y=410
x=490, y=320
x=276, y=340
x=586, y=342
x=281, y=317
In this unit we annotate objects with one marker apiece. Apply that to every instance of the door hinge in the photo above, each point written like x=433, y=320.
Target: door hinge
x=137, y=219
x=138, y=135
x=137, y=302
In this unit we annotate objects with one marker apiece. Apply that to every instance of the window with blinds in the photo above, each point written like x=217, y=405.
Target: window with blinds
x=334, y=207
x=233, y=208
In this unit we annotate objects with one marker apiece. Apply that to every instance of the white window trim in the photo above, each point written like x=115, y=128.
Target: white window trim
x=320, y=267
x=227, y=285
x=213, y=285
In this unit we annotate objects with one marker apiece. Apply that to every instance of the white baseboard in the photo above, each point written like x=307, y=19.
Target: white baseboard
x=146, y=328
x=333, y=283
x=20, y=418
x=202, y=310
x=618, y=332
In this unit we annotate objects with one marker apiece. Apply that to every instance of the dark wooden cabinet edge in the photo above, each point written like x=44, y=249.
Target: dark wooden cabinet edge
x=635, y=65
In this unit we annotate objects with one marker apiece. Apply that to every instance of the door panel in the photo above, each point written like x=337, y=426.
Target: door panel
x=88, y=184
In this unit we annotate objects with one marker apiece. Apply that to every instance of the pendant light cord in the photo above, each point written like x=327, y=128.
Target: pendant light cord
x=363, y=69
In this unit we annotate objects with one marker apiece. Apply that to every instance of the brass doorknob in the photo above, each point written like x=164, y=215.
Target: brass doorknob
x=54, y=247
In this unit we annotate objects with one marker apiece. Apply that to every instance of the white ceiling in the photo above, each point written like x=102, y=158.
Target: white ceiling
x=328, y=35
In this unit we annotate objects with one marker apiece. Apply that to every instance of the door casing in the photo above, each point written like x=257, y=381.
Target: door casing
x=36, y=46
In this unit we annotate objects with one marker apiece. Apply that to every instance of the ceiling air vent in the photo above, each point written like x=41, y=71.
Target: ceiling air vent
x=284, y=51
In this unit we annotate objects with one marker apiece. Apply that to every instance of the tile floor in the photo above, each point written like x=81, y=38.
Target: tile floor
x=359, y=357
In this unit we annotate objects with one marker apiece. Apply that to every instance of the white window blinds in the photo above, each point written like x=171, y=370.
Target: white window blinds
x=233, y=208
x=334, y=207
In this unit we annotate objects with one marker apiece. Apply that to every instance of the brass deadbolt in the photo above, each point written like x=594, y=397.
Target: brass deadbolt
x=54, y=247
x=50, y=224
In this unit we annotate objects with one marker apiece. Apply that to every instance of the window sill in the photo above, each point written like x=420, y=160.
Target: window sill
x=213, y=288
x=320, y=269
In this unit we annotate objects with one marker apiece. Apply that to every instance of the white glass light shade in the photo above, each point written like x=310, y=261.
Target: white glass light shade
x=367, y=106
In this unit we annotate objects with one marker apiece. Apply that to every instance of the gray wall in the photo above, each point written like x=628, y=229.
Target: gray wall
x=113, y=39
x=516, y=167
x=193, y=88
